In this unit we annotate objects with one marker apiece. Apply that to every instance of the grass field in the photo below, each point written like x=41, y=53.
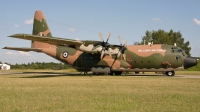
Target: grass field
x=43, y=92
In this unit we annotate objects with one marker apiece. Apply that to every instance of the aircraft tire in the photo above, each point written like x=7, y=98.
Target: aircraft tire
x=118, y=73
x=137, y=72
x=111, y=73
x=94, y=73
x=170, y=73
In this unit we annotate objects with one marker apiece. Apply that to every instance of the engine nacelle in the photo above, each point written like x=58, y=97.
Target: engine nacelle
x=97, y=49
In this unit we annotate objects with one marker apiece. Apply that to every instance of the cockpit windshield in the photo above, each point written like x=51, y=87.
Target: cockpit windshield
x=177, y=50
x=181, y=50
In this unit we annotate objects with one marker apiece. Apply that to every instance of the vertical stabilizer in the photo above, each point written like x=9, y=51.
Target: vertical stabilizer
x=41, y=28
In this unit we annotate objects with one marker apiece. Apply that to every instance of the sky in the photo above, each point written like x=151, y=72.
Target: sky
x=84, y=19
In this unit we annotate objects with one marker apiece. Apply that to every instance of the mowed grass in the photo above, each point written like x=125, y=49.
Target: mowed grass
x=30, y=92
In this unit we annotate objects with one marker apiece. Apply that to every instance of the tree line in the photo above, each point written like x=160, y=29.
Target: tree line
x=164, y=37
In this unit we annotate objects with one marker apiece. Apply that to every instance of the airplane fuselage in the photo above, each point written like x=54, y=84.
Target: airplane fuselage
x=139, y=58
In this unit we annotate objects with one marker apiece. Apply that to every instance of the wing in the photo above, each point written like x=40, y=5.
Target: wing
x=23, y=49
x=50, y=40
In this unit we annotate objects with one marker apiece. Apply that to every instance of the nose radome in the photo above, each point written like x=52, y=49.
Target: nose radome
x=189, y=62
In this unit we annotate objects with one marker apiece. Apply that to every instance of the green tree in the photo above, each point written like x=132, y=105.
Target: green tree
x=171, y=37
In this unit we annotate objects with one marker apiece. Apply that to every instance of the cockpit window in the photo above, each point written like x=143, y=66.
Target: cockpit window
x=175, y=50
x=181, y=50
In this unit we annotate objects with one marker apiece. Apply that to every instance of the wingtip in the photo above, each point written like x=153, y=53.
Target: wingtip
x=13, y=35
x=17, y=35
x=4, y=47
x=10, y=36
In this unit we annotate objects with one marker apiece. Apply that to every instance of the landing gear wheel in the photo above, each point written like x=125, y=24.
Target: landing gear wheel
x=137, y=72
x=170, y=73
x=118, y=73
x=111, y=73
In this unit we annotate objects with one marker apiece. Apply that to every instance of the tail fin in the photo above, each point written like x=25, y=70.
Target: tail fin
x=40, y=27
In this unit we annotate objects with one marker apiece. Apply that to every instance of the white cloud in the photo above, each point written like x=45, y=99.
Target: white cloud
x=77, y=39
x=24, y=53
x=19, y=53
x=29, y=21
x=16, y=25
x=196, y=21
x=10, y=53
x=71, y=29
x=157, y=19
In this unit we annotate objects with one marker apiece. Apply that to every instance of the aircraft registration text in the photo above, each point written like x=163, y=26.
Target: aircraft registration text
x=152, y=50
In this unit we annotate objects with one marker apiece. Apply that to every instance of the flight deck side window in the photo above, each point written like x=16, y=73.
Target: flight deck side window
x=183, y=52
x=172, y=50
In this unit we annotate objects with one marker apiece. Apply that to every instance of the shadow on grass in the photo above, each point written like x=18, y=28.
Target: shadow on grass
x=50, y=74
x=145, y=75
x=56, y=74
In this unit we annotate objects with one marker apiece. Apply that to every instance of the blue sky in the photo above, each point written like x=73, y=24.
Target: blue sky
x=84, y=19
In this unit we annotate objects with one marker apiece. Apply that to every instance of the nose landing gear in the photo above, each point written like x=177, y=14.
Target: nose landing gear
x=170, y=73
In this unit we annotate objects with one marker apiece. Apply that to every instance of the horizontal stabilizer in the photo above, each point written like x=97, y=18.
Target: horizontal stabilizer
x=23, y=49
x=50, y=40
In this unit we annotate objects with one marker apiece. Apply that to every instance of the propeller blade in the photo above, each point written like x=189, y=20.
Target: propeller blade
x=125, y=43
x=119, y=53
x=100, y=35
x=109, y=33
x=120, y=40
x=124, y=56
x=102, y=53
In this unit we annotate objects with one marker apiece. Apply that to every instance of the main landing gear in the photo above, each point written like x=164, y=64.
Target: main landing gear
x=170, y=73
x=115, y=73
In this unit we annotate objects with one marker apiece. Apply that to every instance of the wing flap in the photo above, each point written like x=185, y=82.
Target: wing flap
x=23, y=49
x=50, y=40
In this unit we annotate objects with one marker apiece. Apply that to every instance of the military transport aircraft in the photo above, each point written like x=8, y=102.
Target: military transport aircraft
x=102, y=57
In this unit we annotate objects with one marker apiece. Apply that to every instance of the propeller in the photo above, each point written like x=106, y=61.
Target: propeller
x=122, y=48
x=105, y=45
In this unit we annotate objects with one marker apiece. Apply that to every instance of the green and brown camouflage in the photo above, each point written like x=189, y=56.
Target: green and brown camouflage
x=86, y=54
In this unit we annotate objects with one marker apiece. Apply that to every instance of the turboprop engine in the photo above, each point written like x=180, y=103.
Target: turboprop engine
x=104, y=47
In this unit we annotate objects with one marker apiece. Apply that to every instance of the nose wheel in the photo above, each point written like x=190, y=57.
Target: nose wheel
x=170, y=73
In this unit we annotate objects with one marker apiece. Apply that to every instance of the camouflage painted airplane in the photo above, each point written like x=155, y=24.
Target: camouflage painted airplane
x=102, y=57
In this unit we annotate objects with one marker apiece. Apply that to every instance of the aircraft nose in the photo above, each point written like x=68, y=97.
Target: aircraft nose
x=189, y=62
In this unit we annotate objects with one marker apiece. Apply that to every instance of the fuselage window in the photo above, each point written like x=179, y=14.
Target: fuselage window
x=178, y=57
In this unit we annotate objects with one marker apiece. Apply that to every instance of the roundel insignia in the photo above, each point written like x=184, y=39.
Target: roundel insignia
x=65, y=54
